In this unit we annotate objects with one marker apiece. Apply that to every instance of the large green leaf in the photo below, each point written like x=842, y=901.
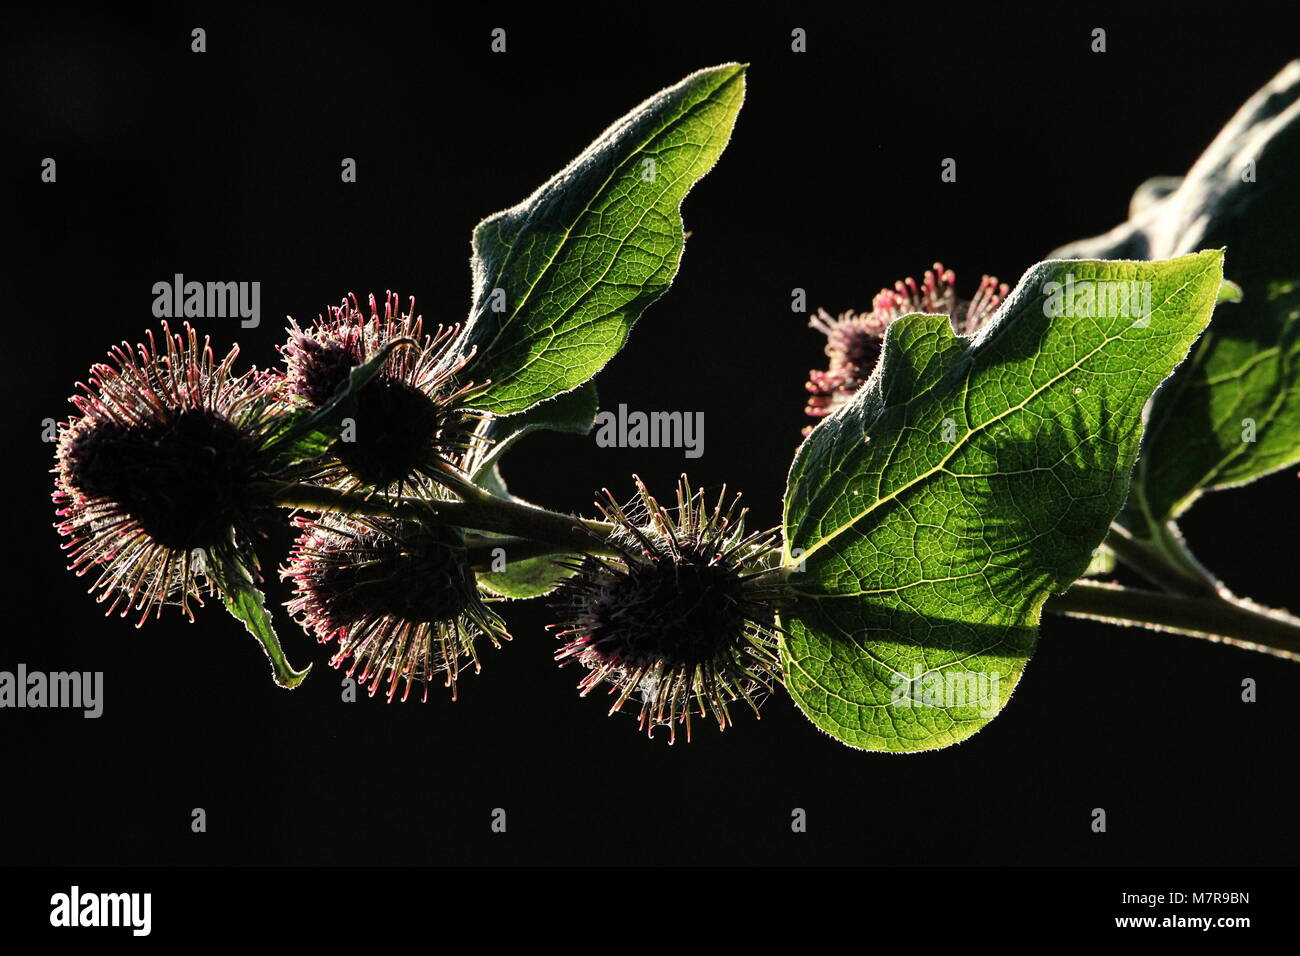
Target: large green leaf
x=967, y=481
x=560, y=278
x=1232, y=412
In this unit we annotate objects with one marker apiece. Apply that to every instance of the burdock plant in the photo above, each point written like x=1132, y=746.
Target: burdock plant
x=972, y=464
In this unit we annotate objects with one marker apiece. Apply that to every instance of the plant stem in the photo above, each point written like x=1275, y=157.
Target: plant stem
x=486, y=512
x=1168, y=539
x=1161, y=565
x=316, y=498
x=1223, y=619
x=511, y=517
x=528, y=531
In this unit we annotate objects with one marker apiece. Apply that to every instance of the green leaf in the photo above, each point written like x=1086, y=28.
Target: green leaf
x=1102, y=563
x=1229, y=292
x=560, y=278
x=307, y=433
x=967, y=481
x=573, y=412
x=528, y=577
x=245, y=601
x=1231, y=414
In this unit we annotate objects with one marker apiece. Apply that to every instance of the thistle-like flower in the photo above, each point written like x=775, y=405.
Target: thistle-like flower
x=399, y=598
x=409, y=418
x=854, y=340
x=682, y=620
x=157, y=480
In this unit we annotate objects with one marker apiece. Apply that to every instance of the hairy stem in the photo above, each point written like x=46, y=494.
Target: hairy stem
x=1172, y=569
x=528, y=531
x=486, y=512
x=1223, y=619
x=315, y=498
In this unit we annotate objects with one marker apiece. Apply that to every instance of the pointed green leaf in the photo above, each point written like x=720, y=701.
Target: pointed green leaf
x=560, y=278
x=967, y=481
x=245, y=601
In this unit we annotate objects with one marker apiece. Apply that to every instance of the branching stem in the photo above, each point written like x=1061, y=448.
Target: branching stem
x=1161, y=565
x=1201, y=608
x=486, y=512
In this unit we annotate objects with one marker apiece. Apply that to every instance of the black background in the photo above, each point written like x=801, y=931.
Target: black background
x=225, y=166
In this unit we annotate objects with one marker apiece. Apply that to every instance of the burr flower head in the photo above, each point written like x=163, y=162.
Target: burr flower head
x=681, y=620
x=398, y=598
x=409, y=418
x=157, y=476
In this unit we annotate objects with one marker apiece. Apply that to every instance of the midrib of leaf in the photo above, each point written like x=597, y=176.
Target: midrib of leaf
x=582, y=218
x=1240, y=370
x=816, y=596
